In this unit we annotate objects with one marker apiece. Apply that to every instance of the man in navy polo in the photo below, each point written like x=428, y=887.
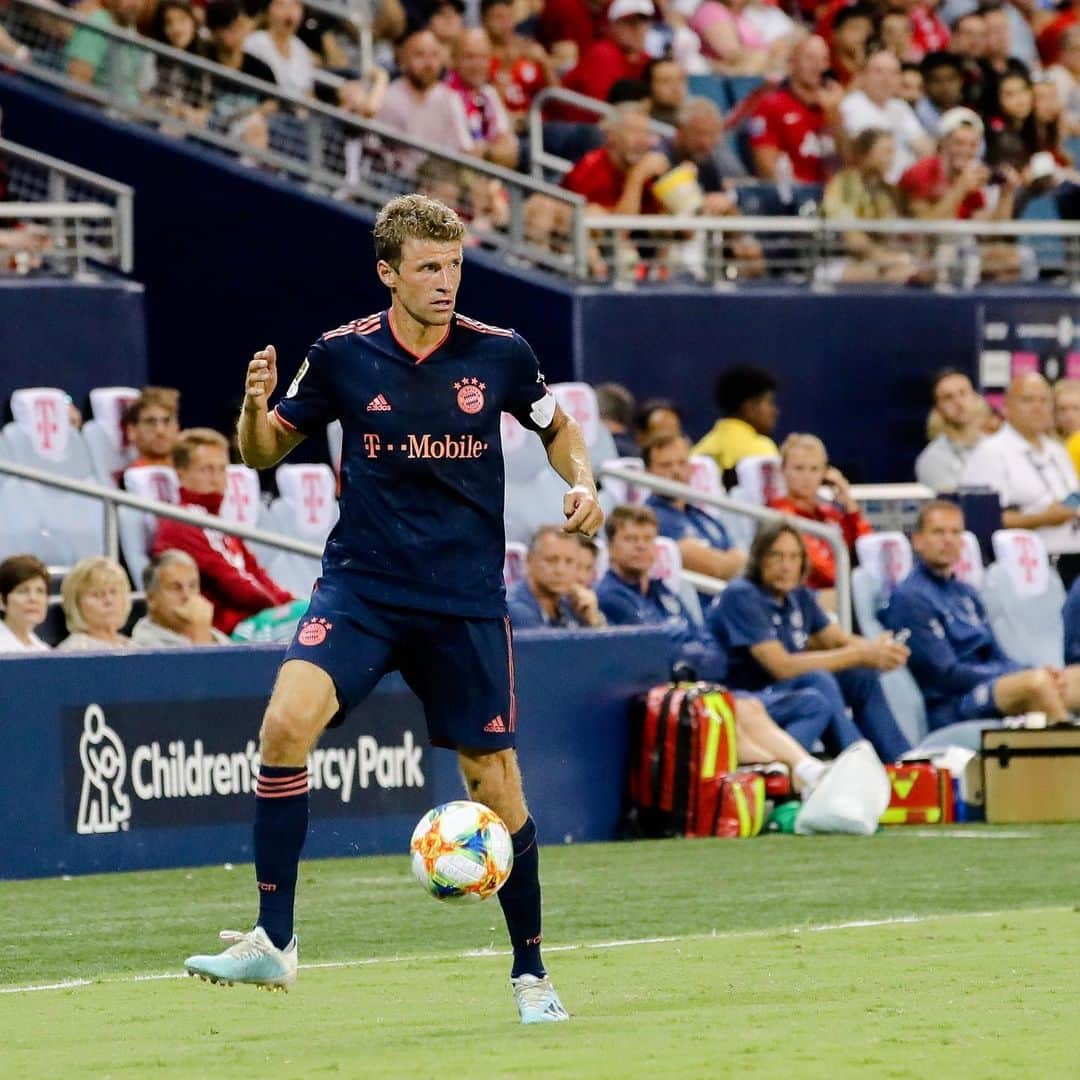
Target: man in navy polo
x=962, y=670
x=412, y=573
x=550, y=595
x=703, y=541
x=776, y=634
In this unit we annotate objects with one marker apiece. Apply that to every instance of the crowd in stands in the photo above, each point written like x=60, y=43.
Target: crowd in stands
x=768, y=632
x=889, y=109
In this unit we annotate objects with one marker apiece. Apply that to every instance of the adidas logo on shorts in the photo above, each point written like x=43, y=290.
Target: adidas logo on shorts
x=378, y=404
x=496, y=726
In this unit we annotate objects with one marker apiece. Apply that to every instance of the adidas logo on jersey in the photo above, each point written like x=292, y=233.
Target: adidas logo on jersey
x=378, y=404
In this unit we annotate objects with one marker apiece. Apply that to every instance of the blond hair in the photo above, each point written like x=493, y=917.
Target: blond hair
x=800, y=441
x=414, y=217
x=82, y=577
x=190, y=440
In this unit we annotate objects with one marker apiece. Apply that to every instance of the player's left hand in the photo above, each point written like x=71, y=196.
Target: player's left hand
x=582, y=510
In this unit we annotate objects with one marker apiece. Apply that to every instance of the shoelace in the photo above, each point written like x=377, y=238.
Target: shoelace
x=244, y=946
x=534, y=994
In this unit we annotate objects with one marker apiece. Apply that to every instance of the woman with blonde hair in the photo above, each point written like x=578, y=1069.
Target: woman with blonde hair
x=97, y=603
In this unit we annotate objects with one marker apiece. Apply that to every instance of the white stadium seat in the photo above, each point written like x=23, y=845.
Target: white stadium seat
x=667, y=569
x=104, y=432
x=514, y=562
x=306, y=509
x=969, y=567
x=578, y=399
x=137, y=528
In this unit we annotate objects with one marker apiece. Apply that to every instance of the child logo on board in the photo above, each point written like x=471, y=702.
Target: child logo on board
x=470, y=396
x=103, y=806
x=314, y=632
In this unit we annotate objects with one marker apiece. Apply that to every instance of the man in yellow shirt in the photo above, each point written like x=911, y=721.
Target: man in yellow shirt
x=746, y=396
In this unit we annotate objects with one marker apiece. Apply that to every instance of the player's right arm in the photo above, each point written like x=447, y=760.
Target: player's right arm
x=264, y=440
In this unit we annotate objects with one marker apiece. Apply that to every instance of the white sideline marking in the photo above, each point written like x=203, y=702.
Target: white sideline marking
x=619, y=943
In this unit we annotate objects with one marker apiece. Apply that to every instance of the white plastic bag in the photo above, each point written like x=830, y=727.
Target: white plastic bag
x=850, y=797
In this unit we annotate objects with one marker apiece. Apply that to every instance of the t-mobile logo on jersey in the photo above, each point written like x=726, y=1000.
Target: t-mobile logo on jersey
x=428, y=447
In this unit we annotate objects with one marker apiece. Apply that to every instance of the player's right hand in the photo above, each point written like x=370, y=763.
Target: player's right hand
x=261, y=377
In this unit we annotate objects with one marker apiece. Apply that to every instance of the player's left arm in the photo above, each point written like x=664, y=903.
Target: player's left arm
x=569, y=457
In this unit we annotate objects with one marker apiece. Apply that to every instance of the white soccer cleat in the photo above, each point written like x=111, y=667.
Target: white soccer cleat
x=250, y=958
x=537, y=1001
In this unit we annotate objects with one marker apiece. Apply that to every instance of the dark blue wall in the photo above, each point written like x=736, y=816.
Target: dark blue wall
x=76, y=335
x=573, y=694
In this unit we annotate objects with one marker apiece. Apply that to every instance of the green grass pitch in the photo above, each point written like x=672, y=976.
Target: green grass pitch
x=916, y=953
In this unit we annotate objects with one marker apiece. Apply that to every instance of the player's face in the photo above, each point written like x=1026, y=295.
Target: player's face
x=177, y=584
x=955, y=400
x=155, y=432
x=427, y=281
x=804, y=470
x=26, y=605
x=941, y=539
x=782, y=565
x=672, y=462
x=102, y=604
x=632, y=549
x=205, y=472
x=553, y=565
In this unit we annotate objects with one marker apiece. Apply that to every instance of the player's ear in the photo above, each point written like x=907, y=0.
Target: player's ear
x=387, y=274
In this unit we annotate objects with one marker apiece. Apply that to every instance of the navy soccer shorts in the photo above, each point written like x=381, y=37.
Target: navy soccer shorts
x=461, y=669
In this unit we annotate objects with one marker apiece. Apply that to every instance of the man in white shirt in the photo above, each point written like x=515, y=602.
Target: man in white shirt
x=942, y=461
x=1031, y=472
x=876, y=104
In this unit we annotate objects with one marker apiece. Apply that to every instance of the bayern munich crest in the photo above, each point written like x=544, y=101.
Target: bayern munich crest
x=470, y=397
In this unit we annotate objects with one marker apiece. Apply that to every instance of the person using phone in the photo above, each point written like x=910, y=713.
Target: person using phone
x=807, y=474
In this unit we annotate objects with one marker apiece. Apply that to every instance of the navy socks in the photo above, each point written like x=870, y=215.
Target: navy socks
x=281, y=822
x=520, y=900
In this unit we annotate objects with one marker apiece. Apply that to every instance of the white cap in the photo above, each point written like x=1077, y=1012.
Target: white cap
x=624, y=9
x=960, y=117
x=1042, y=166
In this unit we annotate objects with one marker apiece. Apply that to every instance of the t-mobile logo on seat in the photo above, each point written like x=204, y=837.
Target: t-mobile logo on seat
x=313, y=499
x=46, y=422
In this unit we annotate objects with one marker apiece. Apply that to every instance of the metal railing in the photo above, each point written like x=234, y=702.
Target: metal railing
x=330, y=150
x=829, y=533
x=111, y=499
x=83, y=217
x=826, y=253
x=540, y=161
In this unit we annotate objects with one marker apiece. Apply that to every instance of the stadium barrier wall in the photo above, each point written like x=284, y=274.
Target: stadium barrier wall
x=71, y=334
x=147, y=760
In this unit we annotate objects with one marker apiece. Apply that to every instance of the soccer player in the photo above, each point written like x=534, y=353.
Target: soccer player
x=412, y=573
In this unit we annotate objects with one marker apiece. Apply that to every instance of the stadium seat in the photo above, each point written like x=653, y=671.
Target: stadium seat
x=104, y=433
x=243, y=503
x=578, y=400
x=306, y=509
x=523, y=453
x=137, y=528
x=621, y=492
x=335, y=437
x=667, y=568
x=969, y=567
x=41, y=436
x=757, y=479
x=713, y=87
x=1024, y=596
x=514, y=562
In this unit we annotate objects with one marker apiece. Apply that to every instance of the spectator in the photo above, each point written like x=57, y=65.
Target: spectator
x=875, y=104
x=1012, y=123
x=620, y=55
x=852, y=29
x=1052, y=39
x=1066, y=76
x=963, y=672
x=998, y=60
x=928, y=31
x=806, y=469
x=862, y=192
x=1049, y=112
x=24, y=597
x=588, y=553
x=177, y=614
x=796, y=120
x=616, y=178
x=417, y=103
x=228, y=27
x=736, y=42
x=666, y=82
x=445, y=19
x=699, y=139
x=124, y=70
x=943, y=85
x=97, y=603
x=703, y=541
x=911, y=85
x=968, y=42
x=774, y=631
x=291, y=61
x=657, y=416
x=152, y=425
x=616, y=405
x=231, y=575
x=181, y=89
x=520, y=67
x=490, y=129
x=577, y=23
x=941, y=463
x=550, y=594
x=894, y=32
x=629, y=598
x=746, y=398
x=1067, y=417
x=1031, y=472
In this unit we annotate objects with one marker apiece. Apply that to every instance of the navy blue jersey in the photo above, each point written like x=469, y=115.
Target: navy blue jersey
x=421, y=521
x=745, y=614
x=690, y=523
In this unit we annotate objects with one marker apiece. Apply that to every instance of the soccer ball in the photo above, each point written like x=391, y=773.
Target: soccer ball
x=461, y=851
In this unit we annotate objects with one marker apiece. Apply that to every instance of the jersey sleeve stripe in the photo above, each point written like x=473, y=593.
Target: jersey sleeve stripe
x=276, y=414
x=483, y=328
x=365, y=325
